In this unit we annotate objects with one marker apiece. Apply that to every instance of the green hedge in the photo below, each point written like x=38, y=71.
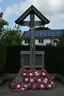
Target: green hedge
x=54, y=58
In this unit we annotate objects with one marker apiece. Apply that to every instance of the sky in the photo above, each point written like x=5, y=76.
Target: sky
x=51, y=9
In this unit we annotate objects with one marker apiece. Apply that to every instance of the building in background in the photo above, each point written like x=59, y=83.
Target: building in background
x=43, y=37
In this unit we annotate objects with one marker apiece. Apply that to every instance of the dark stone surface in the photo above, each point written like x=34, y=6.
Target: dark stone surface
x=58, y=91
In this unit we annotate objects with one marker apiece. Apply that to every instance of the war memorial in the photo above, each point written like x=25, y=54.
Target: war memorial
x=32, y=78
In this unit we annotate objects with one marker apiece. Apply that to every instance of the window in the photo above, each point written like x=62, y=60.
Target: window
x=55, y=41
x=40, y=40
x=27, y=41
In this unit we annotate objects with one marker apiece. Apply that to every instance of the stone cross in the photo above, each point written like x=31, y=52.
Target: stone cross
x=32, y=24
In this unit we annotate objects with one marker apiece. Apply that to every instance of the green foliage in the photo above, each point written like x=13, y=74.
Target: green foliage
x=2, y=24
x=13, y=37
x=2, y=46
x=49, y=44
x=61, y=42
x=8, y=37
x=42, y=28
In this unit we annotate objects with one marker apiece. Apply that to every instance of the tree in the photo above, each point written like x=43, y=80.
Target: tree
x=8, y=37
x=60, y=43
x=2, y=45
x=42, y=28
x=13, y=37
x=2, y=29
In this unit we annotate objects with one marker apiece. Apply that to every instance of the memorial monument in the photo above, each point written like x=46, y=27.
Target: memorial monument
x=32, y=11
x=32, y=79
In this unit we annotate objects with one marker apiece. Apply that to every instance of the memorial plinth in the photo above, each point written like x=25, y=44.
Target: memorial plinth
x=39, y=59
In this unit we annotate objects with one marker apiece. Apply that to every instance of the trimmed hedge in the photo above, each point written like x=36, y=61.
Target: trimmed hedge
x=54, y=58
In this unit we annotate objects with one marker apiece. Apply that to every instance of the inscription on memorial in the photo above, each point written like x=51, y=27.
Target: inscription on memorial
x=39, y=59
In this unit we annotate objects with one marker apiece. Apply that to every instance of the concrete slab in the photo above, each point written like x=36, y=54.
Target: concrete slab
x=58, y=91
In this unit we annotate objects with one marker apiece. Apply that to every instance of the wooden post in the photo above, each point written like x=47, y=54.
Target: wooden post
x=32, y=41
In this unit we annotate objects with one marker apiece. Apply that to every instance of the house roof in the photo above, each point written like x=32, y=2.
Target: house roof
x=44, y=34
x=32, y=9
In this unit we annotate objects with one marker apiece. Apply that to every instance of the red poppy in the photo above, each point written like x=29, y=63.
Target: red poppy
x=43, y=73
x=26, y=79
x=32, y=79
x=22, y=70
x=45, y=80
x=24, y=87
x=24, y=74
x=34, y=85
x=50, y=85
x=30, y=73
x=29, y=85
x=18, y=86
x=41, y=85
x=37, y=73
x=13, y=90
x=39, y=79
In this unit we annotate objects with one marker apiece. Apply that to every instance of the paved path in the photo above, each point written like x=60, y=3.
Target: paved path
x=58, y=91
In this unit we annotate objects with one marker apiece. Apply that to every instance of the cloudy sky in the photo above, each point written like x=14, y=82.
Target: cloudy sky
x=52, y=9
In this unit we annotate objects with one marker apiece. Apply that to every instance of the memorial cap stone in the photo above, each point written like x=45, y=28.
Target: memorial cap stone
x=33, y=10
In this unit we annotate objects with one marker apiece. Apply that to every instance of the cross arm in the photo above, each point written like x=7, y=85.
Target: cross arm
x=27, y=23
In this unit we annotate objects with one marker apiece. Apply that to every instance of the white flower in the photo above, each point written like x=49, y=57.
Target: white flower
x=18, y=86
x=43, y=74
x=31, y=80
x=52, y=82
x=25, y=85
x=26, y=79
x=45, y=80
x=24, y=74
x=22, y=89
x=39, y=79
x=49, y=85
x=34, y=86
x=30, y=74
x=42, y=86
x=36, y=72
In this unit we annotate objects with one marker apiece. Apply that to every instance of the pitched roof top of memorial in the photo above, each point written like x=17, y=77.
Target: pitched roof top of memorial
x=32, y=9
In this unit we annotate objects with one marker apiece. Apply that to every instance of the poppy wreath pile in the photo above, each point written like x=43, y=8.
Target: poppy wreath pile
x=34, y=79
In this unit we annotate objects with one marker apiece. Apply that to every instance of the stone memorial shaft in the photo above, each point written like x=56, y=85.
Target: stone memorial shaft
x=32, y=41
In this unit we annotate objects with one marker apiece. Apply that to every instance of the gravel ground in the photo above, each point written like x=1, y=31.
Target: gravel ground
x=58, y=91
